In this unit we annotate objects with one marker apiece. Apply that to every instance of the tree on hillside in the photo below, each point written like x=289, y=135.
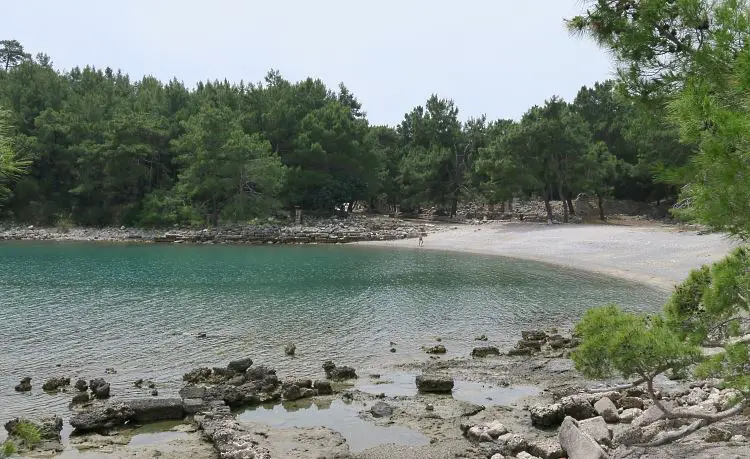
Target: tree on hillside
x=11, y=167
x=12, y=53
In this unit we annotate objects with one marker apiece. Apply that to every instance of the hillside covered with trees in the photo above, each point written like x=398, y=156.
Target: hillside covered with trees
x=94, y=147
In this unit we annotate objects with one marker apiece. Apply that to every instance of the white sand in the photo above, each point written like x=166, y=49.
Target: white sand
x=660, y=256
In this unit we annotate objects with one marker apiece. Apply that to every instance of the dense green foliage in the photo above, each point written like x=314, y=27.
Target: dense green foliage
x=688, y=59
x=107, y=150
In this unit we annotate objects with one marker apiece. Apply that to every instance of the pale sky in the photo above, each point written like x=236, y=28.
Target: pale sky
x=493, y=57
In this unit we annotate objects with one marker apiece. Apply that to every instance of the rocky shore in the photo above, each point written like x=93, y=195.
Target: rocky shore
x=320, y=231
x=566, y=418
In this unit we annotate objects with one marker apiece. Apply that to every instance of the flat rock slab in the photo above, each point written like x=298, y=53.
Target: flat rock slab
x=434, y=384
x=576, y=443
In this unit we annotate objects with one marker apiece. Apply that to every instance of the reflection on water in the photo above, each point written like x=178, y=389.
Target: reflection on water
x=403, y=384
x=338, y=415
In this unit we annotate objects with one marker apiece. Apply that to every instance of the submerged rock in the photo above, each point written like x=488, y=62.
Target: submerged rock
x=81, y=385
x=241, y=365
x=438, y=349
x=338, y=373
x=103, y=418
x=485, y=351
x=533, y=335
x=100, y=388
x=380, y=409
x=54, y=384
x=24, y=385
x=290, y=349
x=80, y=398
x=434, y=384
x=323, y=387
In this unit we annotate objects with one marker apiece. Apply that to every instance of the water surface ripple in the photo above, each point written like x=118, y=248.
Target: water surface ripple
x=76, y=309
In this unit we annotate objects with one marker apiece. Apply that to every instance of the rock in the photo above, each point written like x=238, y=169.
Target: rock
x=481, y=338
x=597, y=429
x=232, y=440
x=103, y=418
x=100, y=388
x=291, y=392
x=198, y=376
x=323, y=387
x=24, y=385
x=138, y=383
x=49, y=429
x=438, y=349
x=429, y=407
x=497, y=456
x=237, y=380
x=629, y=436
x=649, y=416
x=241, y=365
x=81, y=385
x=80, y=398
x=260, y=373
x=290, y=349
x=576, y=443
x=484, y=351
x=151, y=385
x=54, y=384
x=577, y=407
x=525, y=455
x=717, y=434
x=512, y=444
x=545, y=416
x=517, y=351
x=381, y=409
x=627, y=416
x=548, y=448
x=191, y=391
x=607, y=409
x=559, y=342
x=534, y=345
x=154, y=392
x=194, y=405
x=338, y=373
x=630, y=402
x=533, y=335
x=434, y=384
x=201, y=335
x=696, y=396
x=110, y=371
x=738, y=439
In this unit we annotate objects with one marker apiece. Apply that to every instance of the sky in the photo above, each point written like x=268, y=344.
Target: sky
x=493, y=57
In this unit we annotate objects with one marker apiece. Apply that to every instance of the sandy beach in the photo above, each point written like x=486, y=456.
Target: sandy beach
x=657, y=255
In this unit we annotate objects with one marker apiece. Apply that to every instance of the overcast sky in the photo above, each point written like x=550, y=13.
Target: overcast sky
x=496, y=57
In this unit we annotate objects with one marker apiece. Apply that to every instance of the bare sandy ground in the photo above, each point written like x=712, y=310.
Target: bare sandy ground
x=657, y=255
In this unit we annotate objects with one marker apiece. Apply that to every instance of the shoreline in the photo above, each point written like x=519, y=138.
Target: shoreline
x=654, y=255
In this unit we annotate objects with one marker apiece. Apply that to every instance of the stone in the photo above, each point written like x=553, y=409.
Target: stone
x=110, y=371
x=606, y=408
x=576, y=443
x=627, y=416
x=192, y=391
x=434, y=384
x=534, y=345
x=597, y=429
x=291, y=392
x=696, y=396
x=496, y=429
x=559, y=342
x=154, y=392
x=241, y=365
x=259, y=373
x=24, y=385
x=548, y=448
x=101, y=419
x=81, y=385
x=545, y=416
x=138, y=383
x=485, y=351
x=323, y=387
x=380, y=409
x=80, y=398
x=533, y=335
x=651, y=415
x=481, y=338
x=738, y=439
x=194, y=405
x=101, y=391
x=338, y=373
x=290, y=349
x=497, y=456
x=198, y=376
x=578, y=407
x=512, y=444
x=429, y=407
x=231, y=440
x=437, y=349
x=517, y=352
x=55, y=384
x=525, y=455
x=717, y=434
x=629, y=436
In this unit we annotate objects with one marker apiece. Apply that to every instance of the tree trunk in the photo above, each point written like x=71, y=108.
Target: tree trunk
x=600, y=203
x=570, y=206
x=548, y=207
x=564, y=206
x=350, y=207
x=454, y=206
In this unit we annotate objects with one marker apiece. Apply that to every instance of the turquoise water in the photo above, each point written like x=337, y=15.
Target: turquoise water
x=76, y=309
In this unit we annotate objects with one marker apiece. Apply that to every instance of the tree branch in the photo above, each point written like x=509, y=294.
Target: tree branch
x=676, y=435
x=707, y=417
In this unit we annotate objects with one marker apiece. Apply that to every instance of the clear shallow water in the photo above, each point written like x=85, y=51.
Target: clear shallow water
x=76, y=309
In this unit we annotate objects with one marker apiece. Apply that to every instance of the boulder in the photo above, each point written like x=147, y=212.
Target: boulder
x=49, y=429
x=717, y=434
x=627, y=416
x=380, y=409
x=338, y=373
x=533, y=335
x=231, y=439
x=534, y=345
x=323, y=387
x=102, y=391
x=437, y=349
x=606, y=408
x=241, y=365
x=434, y=384
x=484, y=432
x=512, y=444
x=159, y=409
x=291, y=392
x=80, y=398
x=548, y=448
x=629, y=436
x=24, y=385
x=290, y=349
x=198, y=376
x=578, y=407
x=517, y=352
x=55, y=384
x=260, y=373
x=481, y=338
x=559, y=342
x=81, y=385
x=651, y=415
x=485, y=351
x=194, y=405
x=545, y=416
x=597, y=429
x=630, y=402
x=525, y=455
x=576, y=443
x=101, y=419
